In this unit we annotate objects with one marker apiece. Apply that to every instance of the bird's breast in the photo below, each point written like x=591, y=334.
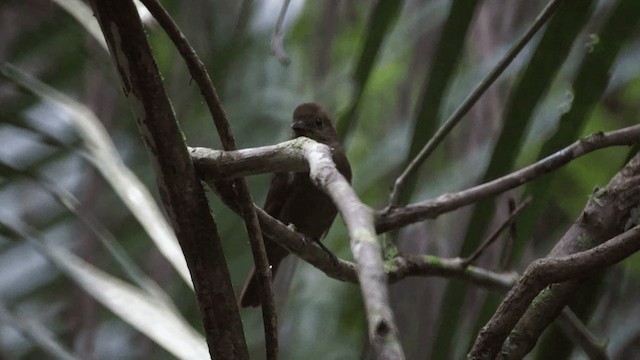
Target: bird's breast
x=308, y=208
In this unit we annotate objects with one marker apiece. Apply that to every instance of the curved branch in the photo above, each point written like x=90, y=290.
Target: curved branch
x=201, y=76
x=427, y=265
x=468, y=103
x=359, y=219
x=277, y=39
x=582, y=249
x=398, y=268
x=395, y=218
x=540, y=274
x=180, y=189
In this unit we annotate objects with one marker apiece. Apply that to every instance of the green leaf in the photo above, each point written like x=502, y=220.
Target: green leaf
x=588, y=87
x=439, y=78
x=534, y=82
x=383, y=17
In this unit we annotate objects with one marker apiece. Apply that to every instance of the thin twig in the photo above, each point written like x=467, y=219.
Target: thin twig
x=201, y=76
x=494, y=236
x=277, y=40
x=403, y=265
x=507, y=251
x=580, y=334
x=390, y=219
x=468, y=103
x=429, y=265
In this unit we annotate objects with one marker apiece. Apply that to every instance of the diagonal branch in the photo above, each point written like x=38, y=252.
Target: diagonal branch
x=390, y=219
x=277, y=39
x=200, y=74
x=576, y=330
x=468, y=103
x=383, y=332
x=540, y=274
x=180, y=189
x=496, y=234
x=609, y=212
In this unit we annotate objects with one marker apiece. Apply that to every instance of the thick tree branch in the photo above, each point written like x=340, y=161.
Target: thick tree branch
x=200, y=74
x=215, y=164
x=358, y=217
x=180, y=189
x=540, y=274
x=576, y=256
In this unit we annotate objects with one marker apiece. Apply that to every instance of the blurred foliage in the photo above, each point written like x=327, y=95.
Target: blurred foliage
x=391, y=71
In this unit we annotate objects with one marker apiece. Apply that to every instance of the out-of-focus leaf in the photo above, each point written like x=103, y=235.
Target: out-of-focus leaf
x=547, y=59
x=383, y=17
x=37, y=333
x=84, y=15
x=71, y=203
x=588, y=87
x=146, y=313
x=437, y=81
x=439, y=78
x=102, y=153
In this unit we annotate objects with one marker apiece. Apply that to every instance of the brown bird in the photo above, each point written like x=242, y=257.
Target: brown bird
x=293, y=199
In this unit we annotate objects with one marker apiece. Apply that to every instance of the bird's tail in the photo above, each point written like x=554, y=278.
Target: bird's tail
x=250, y=294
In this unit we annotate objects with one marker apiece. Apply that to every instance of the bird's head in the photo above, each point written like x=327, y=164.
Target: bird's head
x=311, y=121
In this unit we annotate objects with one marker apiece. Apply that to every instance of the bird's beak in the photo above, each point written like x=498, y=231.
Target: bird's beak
x=298, y=125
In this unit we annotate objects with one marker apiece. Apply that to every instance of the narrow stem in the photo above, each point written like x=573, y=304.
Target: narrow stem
x=468, y=103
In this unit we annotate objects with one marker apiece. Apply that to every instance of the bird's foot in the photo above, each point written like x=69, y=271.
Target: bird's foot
x=334, y=258
x=305, y=242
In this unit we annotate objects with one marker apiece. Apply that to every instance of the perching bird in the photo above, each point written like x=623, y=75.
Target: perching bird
x=293, y=199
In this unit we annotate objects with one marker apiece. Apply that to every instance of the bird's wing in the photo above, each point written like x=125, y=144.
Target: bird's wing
x=278, y=191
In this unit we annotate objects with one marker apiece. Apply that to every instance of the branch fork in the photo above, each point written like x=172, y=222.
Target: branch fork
x=301, y=154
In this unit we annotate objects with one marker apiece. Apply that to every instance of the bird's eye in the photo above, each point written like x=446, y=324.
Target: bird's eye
x=318, y=122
